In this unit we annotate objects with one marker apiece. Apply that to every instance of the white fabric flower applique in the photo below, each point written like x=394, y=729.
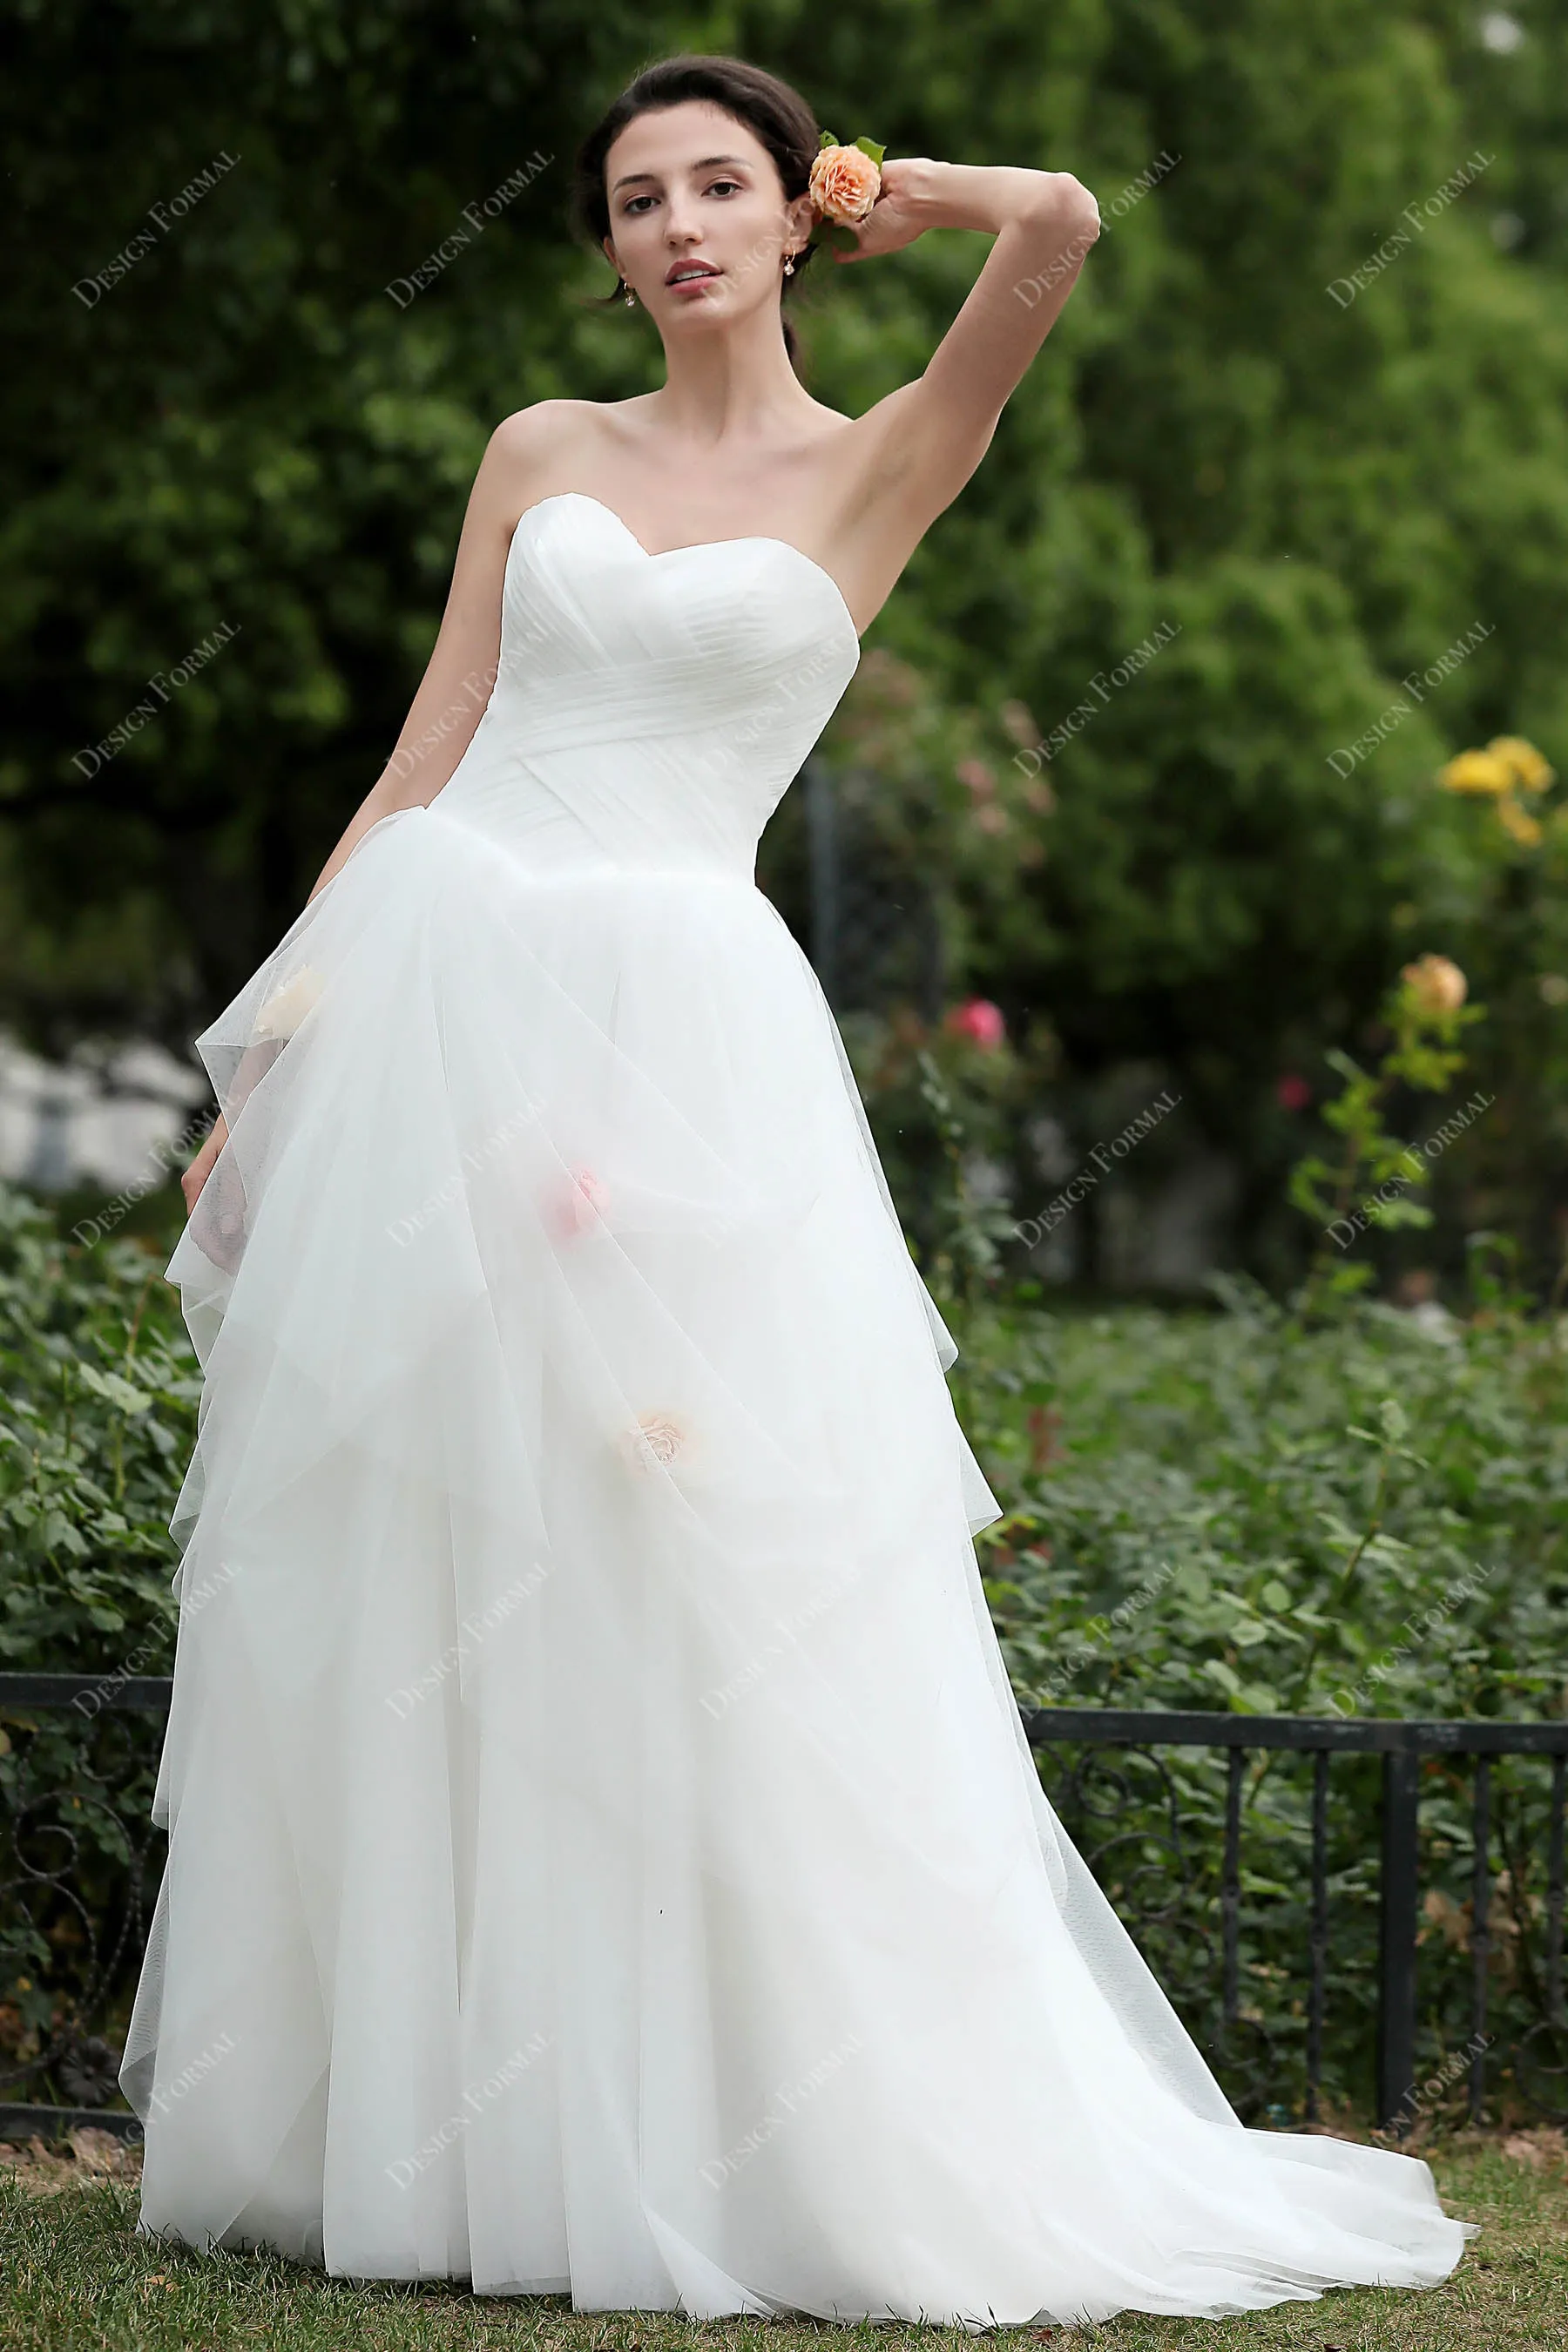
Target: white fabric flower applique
x=287, y=1005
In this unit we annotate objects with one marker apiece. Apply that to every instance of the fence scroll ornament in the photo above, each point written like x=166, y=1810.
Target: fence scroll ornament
x=80, y=1860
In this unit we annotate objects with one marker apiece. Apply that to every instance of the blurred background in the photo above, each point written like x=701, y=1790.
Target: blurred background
x=1145, y=795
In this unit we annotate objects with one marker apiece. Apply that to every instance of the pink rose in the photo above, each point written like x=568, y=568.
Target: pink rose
x=844, y=184
x=978, y=1020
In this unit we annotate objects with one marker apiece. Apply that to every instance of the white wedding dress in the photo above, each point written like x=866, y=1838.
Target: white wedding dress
x=605, y=1855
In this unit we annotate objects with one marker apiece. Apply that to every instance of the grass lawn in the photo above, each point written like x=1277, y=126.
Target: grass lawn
x=73, y=2276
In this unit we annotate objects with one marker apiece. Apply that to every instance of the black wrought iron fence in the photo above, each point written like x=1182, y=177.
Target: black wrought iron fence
x=1431, y=1904
x=79, y=1868
x=1331, y=1903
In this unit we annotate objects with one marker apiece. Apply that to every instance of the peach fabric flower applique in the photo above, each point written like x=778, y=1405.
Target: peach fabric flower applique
x=656, y=1441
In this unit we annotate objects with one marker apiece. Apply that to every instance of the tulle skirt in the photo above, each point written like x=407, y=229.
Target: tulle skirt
x=605, y=1855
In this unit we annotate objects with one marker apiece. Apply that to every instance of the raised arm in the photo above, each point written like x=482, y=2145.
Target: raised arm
x=932, y=433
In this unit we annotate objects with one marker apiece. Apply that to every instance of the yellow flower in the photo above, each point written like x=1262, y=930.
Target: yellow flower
x=1523, y=759
x=1476, y=771
x=1517, y=820
x=1435, y=985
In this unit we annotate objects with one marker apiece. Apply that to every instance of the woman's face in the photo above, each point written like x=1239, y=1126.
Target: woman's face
x=698, y=224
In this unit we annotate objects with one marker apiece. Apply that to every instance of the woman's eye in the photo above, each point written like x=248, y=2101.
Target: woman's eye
x=634, y=205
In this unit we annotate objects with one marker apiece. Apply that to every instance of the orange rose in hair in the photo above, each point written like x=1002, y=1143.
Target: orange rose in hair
x=844, y=184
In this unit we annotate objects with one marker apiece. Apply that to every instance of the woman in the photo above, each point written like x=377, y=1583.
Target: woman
x=605, y=1855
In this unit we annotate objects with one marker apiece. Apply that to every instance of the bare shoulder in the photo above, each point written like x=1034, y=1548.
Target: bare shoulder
x=534, y=444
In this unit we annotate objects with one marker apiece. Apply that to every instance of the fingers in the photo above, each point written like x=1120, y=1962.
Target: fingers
x=196, y=1174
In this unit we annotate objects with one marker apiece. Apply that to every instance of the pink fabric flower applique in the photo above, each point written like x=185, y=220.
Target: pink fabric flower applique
x=578, y=1204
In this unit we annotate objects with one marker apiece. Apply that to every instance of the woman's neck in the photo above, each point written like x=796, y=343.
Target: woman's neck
x=734, y=388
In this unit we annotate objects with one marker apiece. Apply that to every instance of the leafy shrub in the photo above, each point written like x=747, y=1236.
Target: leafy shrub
x=99, y=1388
x=1367, y=1517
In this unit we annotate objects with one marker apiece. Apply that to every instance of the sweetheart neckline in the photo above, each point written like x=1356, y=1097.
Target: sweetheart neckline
x=693, y=546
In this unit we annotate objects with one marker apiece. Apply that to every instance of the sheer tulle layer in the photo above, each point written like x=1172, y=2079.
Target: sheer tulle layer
x=605, y=1855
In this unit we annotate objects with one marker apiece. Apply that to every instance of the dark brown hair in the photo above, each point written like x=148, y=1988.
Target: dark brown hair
x=778, y=115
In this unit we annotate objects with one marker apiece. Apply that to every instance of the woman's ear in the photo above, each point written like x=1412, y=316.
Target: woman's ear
x=609, y=245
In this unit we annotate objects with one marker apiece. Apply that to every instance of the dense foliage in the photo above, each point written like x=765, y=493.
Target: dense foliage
x=98, y=1398
x=1300, y=492
x=1367, y=1517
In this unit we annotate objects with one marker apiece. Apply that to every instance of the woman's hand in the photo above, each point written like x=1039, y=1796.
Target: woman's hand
x=201, y=1166
x=900, y=215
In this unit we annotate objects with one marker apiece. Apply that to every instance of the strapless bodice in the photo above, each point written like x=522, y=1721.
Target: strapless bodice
x=648, y=711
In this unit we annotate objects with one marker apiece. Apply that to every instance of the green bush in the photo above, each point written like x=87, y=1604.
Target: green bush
x=1230, y=1511
x=1290, y=1503
x=99, y=1388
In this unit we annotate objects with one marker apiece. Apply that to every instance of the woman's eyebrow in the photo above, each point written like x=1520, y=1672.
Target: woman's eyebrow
x=704, y=163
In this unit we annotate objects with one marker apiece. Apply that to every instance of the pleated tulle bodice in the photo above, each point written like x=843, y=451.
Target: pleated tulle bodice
x=650, y=711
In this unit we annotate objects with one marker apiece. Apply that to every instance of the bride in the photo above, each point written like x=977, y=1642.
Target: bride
x=604, y=1856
